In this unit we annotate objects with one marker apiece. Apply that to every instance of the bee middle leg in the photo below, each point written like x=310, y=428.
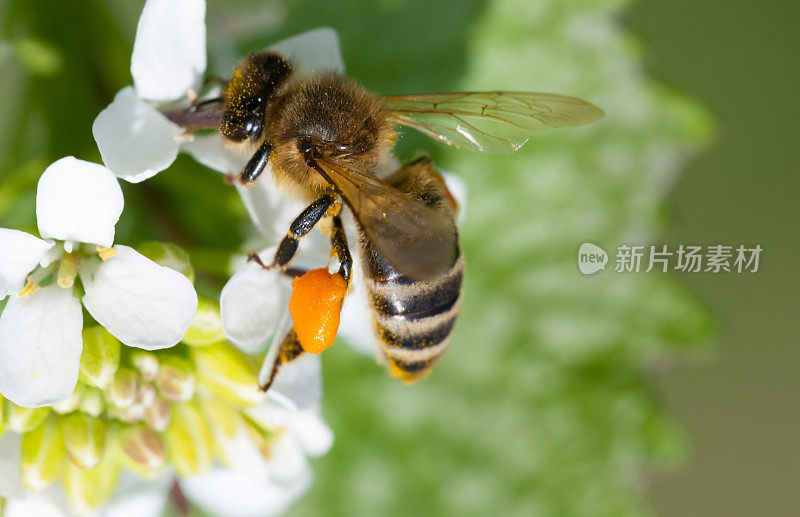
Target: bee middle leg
x=302, y=224
x=340, y=249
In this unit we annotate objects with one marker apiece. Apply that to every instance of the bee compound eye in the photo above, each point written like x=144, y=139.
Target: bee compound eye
x=253, y=126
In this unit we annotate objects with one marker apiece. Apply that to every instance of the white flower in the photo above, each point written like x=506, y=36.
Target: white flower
x=136, y=140
x=143, y=304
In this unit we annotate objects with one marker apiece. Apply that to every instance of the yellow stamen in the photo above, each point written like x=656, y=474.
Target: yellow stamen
x=29, y=288
x=106, y=253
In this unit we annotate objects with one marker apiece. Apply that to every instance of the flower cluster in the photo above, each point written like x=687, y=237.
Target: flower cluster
x=137, y=419
x=143, y=304
x=90, y=426
x=114, y=425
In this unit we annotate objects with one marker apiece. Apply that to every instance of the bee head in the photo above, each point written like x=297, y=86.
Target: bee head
x=248, y=93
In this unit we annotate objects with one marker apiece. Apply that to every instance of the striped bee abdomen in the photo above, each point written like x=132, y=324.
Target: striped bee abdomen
x=413, y=319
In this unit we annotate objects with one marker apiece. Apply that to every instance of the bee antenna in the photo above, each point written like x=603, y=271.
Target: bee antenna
x=197, y=106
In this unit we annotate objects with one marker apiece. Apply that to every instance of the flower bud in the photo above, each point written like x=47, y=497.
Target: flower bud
x=227, y=372
x=43, y=455
x=206, y=328
x=71, y=403
x=90, y=489
x=84, y=438
x=146, y=363
x=143, y=447
x=93, y=403
x=188, y=440
x=22, y=419
x=123, y=391
x=169, y=255
x=158, y=415
x=131, y=414
x=100, y=357
x=147, y=395
x=175, y=380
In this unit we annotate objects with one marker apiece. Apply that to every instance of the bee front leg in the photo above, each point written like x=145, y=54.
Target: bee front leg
x=257, y=164
x=298, y=229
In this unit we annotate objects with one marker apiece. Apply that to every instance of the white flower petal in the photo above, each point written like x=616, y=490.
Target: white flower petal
x=313, y=51
x=40, y=347
x=141, y=303
x=234, y=493
x=298, y=385
x=51, y=255
x=169, y=53
x=10, y=467
x=211, y=151
x=243, y=454
x=20, y=253
x=271, y=211
x=135, y=140
x=135, y=497
x=315, y=436
x=78, y=201
x=38, y=504
x=287, y=460
x=355, y=323
x=250, y=305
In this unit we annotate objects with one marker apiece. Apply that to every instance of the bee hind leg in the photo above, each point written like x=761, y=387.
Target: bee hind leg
x=288, y=351
x=290, y=348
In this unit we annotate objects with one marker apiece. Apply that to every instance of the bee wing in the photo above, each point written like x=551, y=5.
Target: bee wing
x=488, y=122
x=418, y=240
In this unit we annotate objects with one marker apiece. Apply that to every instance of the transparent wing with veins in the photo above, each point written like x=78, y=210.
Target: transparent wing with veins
x=488, y=122
x=418, y=240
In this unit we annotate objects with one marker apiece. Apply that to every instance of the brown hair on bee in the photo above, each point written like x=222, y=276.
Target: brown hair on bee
x=335, y=116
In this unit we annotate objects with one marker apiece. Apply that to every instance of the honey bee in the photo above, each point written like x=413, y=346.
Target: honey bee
x=324, y=137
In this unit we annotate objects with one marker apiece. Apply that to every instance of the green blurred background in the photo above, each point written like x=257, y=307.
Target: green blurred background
x=562, y=394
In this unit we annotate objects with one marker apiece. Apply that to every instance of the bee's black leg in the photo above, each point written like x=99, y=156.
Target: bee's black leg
x=257, y=163
x=339, y=244
x=290, y=349
x=302, y=224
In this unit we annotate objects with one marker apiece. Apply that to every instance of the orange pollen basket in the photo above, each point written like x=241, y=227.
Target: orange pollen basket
x=315, y=306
